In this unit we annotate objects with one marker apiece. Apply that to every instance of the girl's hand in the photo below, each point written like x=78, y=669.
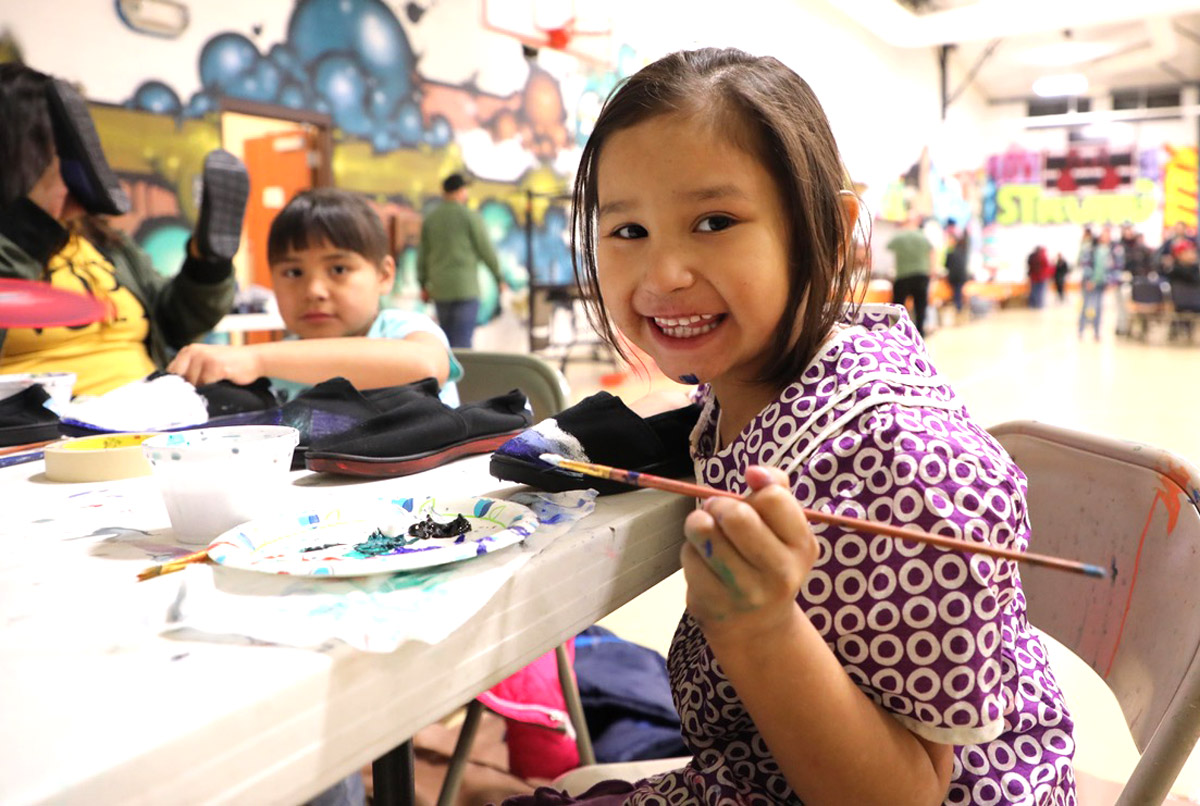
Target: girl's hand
x=744, y=561
x=208, y=363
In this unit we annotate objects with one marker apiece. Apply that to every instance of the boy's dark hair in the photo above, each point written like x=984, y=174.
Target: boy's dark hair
x=331, y=216
x=26, y=133
x=763, y=107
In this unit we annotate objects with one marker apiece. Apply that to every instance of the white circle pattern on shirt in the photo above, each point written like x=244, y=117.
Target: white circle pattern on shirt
x=933, y=655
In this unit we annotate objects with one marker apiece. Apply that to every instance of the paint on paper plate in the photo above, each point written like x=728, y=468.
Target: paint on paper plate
x=385, y=536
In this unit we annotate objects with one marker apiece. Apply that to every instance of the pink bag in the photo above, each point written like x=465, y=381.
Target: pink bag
x=540, y=736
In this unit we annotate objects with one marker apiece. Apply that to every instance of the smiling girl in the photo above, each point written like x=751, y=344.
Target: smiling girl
x=814, y=664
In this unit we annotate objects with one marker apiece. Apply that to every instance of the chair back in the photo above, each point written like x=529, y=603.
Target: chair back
x=1185, y=296
x=486, y=374
x=1147, y=291
x=1131, y=507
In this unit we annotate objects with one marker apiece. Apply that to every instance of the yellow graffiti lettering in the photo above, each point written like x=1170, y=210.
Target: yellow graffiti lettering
x=1029, y=204
x=1050, y=209
x=1015, y=203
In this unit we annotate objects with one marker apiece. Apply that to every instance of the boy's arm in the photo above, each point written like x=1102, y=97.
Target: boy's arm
x=368, y=363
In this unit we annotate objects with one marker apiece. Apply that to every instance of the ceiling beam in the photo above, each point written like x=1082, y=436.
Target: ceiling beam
x=991, y=19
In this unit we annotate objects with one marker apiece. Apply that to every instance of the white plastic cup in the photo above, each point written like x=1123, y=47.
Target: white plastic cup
x=213, y=479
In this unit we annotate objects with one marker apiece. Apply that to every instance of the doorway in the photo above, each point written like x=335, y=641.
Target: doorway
x=285, y=152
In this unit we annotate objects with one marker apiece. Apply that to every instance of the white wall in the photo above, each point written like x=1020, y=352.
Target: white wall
x=884, y=103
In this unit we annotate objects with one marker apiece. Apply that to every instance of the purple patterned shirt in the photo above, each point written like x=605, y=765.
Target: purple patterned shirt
x=938, y=638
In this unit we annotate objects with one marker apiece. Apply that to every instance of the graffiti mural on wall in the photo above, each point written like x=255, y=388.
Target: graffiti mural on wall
x=1179, y=187
x=397, y=133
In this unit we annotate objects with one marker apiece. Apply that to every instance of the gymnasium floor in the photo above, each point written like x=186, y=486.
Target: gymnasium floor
x=1011, y=364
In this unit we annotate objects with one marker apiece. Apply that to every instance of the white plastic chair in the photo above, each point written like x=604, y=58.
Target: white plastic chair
x=1132, y=507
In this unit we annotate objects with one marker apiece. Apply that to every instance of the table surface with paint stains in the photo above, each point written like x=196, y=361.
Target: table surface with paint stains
x=100, y=706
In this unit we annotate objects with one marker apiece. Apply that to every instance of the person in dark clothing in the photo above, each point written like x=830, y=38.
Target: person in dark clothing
x=1061, y=269
x=1139, y=259
x=957, y=257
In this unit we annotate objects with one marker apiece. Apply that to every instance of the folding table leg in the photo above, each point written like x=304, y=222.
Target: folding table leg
x=462, y=752
x=566, y=678
x=395, y=783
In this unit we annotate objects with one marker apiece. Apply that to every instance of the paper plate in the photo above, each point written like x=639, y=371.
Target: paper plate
x=334, y=542
x=30, y=303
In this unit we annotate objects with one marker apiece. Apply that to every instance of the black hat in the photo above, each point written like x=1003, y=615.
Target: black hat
x=453, y=182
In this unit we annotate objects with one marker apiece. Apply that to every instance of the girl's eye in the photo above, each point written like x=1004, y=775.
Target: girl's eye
x=339, y=268
x=291, y=273
x=715, y=223
x=630, y=231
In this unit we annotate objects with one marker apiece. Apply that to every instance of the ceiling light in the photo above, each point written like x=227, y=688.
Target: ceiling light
x=1059, y=85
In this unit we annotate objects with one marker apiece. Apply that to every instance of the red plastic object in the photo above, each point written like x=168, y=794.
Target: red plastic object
x=30, y=303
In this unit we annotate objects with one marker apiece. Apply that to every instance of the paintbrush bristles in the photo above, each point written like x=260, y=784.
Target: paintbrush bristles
x=171, y=566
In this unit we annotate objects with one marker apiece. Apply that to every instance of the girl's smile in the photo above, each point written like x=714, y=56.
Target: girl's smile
x=692, y=251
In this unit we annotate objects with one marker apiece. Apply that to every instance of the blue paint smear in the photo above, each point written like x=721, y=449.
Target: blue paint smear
x=482, y=507
x=480, y=550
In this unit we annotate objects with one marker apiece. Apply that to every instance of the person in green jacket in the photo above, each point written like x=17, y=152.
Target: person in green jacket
x=453, y=243
x=47, y=235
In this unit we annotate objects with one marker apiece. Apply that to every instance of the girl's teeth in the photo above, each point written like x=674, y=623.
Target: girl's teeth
x=687, y=326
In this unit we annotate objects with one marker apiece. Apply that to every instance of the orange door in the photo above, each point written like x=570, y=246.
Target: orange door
x=280, y=166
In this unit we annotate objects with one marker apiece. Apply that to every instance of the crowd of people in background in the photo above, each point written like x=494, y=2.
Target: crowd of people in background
x=1108, y=257
x=1172, y=272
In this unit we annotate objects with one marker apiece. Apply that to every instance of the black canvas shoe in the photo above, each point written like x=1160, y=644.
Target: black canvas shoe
x=24, y=418
x=603, y=430
x=421, y=432
x=84, y=169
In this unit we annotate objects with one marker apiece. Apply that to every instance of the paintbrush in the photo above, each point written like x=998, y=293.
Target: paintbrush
x=171, y=566
x=636, y=479
x=28, y=446
x=21, y=458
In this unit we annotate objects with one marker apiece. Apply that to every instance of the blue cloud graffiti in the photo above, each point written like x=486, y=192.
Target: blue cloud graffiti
x=347, y=58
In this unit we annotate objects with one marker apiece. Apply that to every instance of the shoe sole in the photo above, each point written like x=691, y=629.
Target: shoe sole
x=83, y=165
x=350, y=465
x=222, y=205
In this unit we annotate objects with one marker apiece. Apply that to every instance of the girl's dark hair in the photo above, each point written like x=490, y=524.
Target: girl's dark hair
x=763, y=107
x=26, y=133
x=331, y=216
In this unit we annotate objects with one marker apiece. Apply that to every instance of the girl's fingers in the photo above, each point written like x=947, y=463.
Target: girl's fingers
x=748, y=534
x=725, y=565
x=772, y=498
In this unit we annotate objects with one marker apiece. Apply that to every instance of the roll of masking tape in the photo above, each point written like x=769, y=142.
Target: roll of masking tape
x=106, y=457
